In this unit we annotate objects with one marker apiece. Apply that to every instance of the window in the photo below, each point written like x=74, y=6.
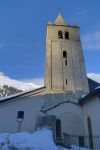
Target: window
x=64, y=54
x=60, y=36
x=58, y=129
x=20, y=115
x=66, y=35
x=66, y=62
x=66, y=81
x=90, y=132
x=81, y=141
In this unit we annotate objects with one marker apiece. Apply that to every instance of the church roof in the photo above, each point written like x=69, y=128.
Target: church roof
x=56, y=99
x=94, y=88
x=60, y=20
x=22, y=95
x=92, y=84
x=95, y=92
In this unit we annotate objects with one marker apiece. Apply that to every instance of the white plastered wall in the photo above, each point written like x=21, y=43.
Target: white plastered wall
x=71, y=117
x=8, y=114
x=92, y=109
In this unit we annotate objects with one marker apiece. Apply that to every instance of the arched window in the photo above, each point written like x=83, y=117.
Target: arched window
x=90, y=132
x=64, y=54
x=60, y=35
x=66, y=35
x=58, y=129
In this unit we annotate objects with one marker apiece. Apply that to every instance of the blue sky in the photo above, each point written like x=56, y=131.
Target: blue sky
x=23, y=29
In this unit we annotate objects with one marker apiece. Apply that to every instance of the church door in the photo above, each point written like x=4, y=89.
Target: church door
x=58, y=131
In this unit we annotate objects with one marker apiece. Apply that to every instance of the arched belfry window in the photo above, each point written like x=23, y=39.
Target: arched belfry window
x=66, y=35
x=90, y=132
x=60, y=34
x=64, y=54
x=58, y=129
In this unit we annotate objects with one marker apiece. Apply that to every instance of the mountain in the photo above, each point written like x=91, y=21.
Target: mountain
x=14, y=85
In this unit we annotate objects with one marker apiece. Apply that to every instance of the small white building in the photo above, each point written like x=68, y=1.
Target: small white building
x=69, y=102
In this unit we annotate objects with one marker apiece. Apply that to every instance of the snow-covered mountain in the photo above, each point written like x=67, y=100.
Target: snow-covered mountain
x=5, y=80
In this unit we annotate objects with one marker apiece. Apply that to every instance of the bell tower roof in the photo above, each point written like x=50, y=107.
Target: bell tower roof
x=60, y=20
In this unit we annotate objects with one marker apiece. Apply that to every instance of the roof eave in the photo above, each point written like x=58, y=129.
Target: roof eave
x=84, y=100
x=13, y=97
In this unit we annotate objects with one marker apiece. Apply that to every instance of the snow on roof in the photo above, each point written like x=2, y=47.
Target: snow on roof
x=11, y=96
x=98, y=87
x=86, y=98
x=19, y=94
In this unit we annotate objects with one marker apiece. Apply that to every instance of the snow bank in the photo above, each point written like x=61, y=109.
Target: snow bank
x=42, y=139
x=39, y=140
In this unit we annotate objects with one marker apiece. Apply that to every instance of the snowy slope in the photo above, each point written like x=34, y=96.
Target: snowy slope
x=42, y=139
x=5, y=80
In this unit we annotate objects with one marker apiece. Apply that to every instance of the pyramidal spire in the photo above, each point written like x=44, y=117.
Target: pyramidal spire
x=59, y=13
x=60, y=20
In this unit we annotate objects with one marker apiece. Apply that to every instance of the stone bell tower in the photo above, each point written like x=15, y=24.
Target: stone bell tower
x=65, y=67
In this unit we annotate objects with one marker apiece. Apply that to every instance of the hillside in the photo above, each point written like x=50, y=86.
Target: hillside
x=10, y=86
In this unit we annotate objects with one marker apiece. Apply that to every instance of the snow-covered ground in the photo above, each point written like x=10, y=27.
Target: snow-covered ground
x=5, y=80
x=42, y=139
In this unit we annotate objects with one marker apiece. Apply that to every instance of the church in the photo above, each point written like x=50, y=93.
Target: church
x=69, y=102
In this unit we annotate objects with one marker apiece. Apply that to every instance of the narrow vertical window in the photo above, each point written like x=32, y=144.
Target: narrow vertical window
x=58, y=128
x=66, y=62
x=20, y=115
x=81, y=141
x=60, y=35
x=66, y=81
x=20, y=118
x=64, y=54
x=90, y=132
x=66, y=35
